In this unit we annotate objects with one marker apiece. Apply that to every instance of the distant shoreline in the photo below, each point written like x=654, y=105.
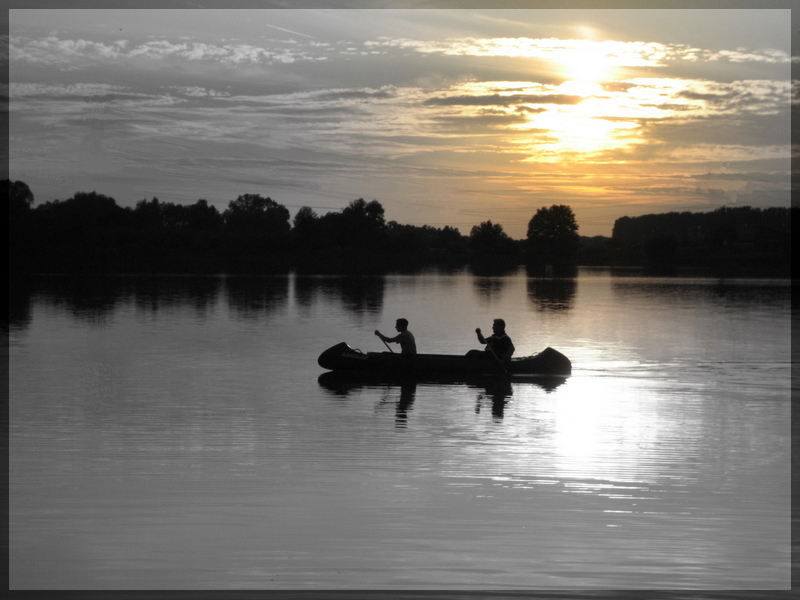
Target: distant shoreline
x=91, y=234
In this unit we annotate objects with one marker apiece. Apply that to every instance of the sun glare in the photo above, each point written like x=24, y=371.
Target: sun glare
x=583, y=133
x=598, y=123
x=594, y=124
x=585, y=64
x=580, y=88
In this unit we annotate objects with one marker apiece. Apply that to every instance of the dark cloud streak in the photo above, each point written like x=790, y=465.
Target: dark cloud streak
x=509, y=100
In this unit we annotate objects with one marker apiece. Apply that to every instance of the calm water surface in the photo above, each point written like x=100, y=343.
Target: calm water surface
x=176, y=433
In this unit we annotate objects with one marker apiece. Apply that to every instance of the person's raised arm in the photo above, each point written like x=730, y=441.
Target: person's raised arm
x=481, y=339
x=386, y=338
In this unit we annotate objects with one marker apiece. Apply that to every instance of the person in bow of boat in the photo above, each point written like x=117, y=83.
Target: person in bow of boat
x=408, y=346
x=498, y=345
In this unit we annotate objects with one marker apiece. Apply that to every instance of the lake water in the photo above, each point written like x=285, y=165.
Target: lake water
x=174, y=433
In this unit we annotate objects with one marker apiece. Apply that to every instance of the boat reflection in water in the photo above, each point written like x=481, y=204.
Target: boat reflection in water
x=496, y=389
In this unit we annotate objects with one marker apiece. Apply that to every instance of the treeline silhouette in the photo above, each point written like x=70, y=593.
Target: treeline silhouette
x=727, y=241
x=90, y=233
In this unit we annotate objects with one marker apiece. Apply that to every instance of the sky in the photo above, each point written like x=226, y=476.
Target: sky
x=446, y=117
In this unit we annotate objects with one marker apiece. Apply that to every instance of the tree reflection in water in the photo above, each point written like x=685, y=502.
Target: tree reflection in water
x=253, y=297
x=356, y=294
x=552, y=293
x=94, y=299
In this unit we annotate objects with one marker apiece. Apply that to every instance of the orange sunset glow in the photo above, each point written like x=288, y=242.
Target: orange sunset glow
x=445, y=117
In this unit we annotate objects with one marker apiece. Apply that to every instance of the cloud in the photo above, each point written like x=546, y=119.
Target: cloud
x=757, y=96
x=76, y=90
x=73, y=53
x=359, y=95
x=756, y=177
x=669, y=190
x=610, y=52
x=429, y=115
x=768, y=55
x=510, y=117
x=54, y=51
x=500, y=100
x=76, y=53
x=200, y=92
x=50, y=102
x=476, y=123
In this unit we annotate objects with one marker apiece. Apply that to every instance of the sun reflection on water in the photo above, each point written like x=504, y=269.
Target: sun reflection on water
x=588, y=430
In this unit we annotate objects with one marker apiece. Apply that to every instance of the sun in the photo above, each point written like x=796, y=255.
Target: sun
x=580, y=88
x=585, y=64
x=592, y=126
x=600, y=121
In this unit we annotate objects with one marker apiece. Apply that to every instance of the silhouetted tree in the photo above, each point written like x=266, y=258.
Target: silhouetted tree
x=256, y=234
x=81, y=233
x=411, y=240
x=252, y=215
x=362, y=225
x=20, y=200
x=728, y=240
x=305, y=222
x=304, y=217
x=306, y=238
x=553, y=235
x=200, y=216
x=489, y=239
x=148, y=214
x=660, y=253
x=453, y=243
x=20, y=197
x=367, y=211
x=411, y=246
x=84, y=212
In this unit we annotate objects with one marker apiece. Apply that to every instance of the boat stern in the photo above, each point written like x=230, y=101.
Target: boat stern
x=555, y=363
x=338, y=356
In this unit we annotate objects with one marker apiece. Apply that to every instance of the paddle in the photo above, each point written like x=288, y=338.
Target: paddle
x=384, y=341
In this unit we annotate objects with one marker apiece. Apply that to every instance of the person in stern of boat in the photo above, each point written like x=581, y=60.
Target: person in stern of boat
x=408, y=346
x=498, y=345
